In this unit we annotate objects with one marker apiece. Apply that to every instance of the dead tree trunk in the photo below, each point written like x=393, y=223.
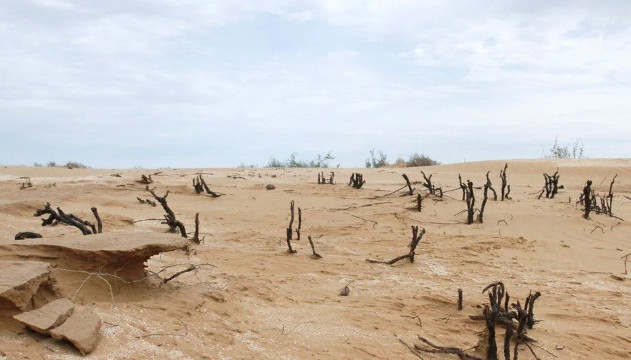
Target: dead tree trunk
x=315, y=254
x=291, y=221
x=491, y=318
x=462, y=186
x=481, y=214
x=489, y=185
x=356, y=181
x=416, y=237
x=609, y=198
x=196, y=234
x=59, y=216
x=407, y=181
x=470, y=202
x=30, y=235
x=171, y=221
x=145, y=179
x=299, y=224
x=428, y=183
x=419, y=202
x=504, y=183
x=459, y=299
x=199, y=184
x=587, y=198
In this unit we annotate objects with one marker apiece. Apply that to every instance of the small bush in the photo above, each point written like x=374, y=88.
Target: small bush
x=558, y=152
x=76, y=165
x=36, y=164
x=51, y=164
x=417, y=159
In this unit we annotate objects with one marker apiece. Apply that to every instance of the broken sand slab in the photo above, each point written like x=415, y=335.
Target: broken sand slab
x=25, y=285
x=120, y=253
x=59, y=320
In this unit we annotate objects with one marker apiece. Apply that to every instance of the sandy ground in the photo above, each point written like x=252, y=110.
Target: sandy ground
x=258, y=302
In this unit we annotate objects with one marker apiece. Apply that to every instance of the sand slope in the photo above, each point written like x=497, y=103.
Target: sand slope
x=258, y=302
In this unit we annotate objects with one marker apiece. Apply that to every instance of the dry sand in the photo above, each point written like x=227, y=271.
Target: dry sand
x=258, y=302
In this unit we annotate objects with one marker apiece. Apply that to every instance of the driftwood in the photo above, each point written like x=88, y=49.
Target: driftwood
x=356, y=181
x=505, y=185
x=99, y=224
x=416, y=237
x=146, y=201
x=290, y=250
x=199, y=184
x=59, y=216
x=171, y=221
x=32, y=235
x=144, y=179
x=410, y=188
x=315, y=254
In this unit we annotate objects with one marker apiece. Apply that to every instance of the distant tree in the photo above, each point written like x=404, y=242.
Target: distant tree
x=51, y=164
x=374, y=162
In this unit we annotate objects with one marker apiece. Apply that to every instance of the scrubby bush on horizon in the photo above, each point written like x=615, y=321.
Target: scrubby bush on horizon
x=558, y=152
x=69, y=164
x=319, y=162
x=417, y=159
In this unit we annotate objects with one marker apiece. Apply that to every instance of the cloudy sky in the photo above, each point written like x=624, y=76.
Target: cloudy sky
x=185, y=83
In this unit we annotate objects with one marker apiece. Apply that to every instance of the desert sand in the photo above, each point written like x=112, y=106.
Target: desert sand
x=256, y=301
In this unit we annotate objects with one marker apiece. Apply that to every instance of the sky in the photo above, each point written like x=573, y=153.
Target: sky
x=203, y=83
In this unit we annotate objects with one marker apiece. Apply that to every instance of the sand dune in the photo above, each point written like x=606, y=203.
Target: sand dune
x=258, y=302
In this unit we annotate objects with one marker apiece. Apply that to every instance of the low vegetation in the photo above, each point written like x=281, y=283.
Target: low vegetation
x=319, y=162
x=559, y=152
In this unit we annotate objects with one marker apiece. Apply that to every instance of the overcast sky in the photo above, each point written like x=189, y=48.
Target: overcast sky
x=185, y=83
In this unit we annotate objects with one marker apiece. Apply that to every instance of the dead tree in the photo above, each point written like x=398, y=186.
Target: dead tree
x=470, y=198
x=481, y=213
x=59, y=216
x=356, y=181
x=323, y=180
x=291, y=221
x=199, y=184
x=428, y=183
x=489, y=185
x=505, y=185
x=587, y=198
x=464, y=189
x=171, y=221
x=607, y=201
x=315, y=254
x=25, y=182
x=27, y=235
x=419, y=202
x=144, y=179
x=459, y=299
x=299, y=224
x=416, y=237
x=551, y=185
x=410, y=188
